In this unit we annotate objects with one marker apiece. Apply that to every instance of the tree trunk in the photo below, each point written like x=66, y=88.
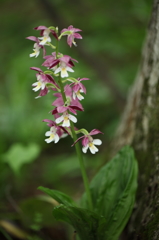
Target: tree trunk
x=140, y=128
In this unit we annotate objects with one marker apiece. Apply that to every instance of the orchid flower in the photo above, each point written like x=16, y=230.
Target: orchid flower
x=42, y=81
x=49, y=60
x=56, y=132
x=89, y=142
x=45, y=38
x=66, y=117
x=36, y=47
x=78, y=88
x=65, y=65
x=71, y=33
x=69, y=96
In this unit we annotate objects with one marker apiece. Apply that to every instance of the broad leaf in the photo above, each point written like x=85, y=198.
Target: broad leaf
x=58, y=196
x=18, y=155
x=89, y=225
x=113, y=192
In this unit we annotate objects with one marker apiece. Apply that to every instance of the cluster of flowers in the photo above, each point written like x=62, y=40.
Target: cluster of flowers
x=68, y=97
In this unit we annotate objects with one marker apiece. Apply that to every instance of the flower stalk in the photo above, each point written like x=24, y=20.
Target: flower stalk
x=68, y=96
x=79, y=155
x=83, y=169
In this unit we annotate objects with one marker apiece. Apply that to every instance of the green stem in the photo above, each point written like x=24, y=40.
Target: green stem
x=79, y=154
x=83, y=170
x=62, y=90
x=52, y=46
x=57, y=47
x=59, y=81
x=78, y=150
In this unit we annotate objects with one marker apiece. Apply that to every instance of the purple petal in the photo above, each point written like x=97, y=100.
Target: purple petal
x=43, y=92
x=47, y=120
x=65, y=130
x=40, y=28
x=72, y=110
x=44, y=51
x=58, y=102
x=82, y=87
x=48, y=62
x=76, y=103
x=61, y=109
x=52, y=57
x=50, y=122
x=77, y=35
x=43, y=77
x=54, y=63
x=76, y=87
x=95, y=131
x=47, y=56
x=85, y=141
x=77, y=108
x=54, y=111
x=56, y=115
x=83, y=79
x=58, y=95
x=68, y=91
x=70, y=39
x=54, y=54
x=50, y=79
x=59, y=131
x=71, y=28
x=36, y=69
x=74, y=60
x=54, y=34
x=77, y=141
x=35, y=39
x=65, y=58
x=70, y=64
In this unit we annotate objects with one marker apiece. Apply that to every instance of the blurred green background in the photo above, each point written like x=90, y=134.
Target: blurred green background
x=109, y=54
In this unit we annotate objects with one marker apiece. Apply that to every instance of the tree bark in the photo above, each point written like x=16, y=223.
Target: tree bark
x=140, y=128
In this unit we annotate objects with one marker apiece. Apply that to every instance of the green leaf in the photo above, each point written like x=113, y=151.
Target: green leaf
x=18, y=155
x=89, y=225
x=113, y=192
x=58, y=196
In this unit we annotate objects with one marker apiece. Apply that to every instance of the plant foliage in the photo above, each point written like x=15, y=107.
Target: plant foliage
x=113, y=194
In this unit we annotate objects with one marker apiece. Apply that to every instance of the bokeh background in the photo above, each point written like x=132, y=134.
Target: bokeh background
x=109, y=54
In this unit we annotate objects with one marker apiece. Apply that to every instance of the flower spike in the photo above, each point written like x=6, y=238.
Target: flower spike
x=67, y=96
